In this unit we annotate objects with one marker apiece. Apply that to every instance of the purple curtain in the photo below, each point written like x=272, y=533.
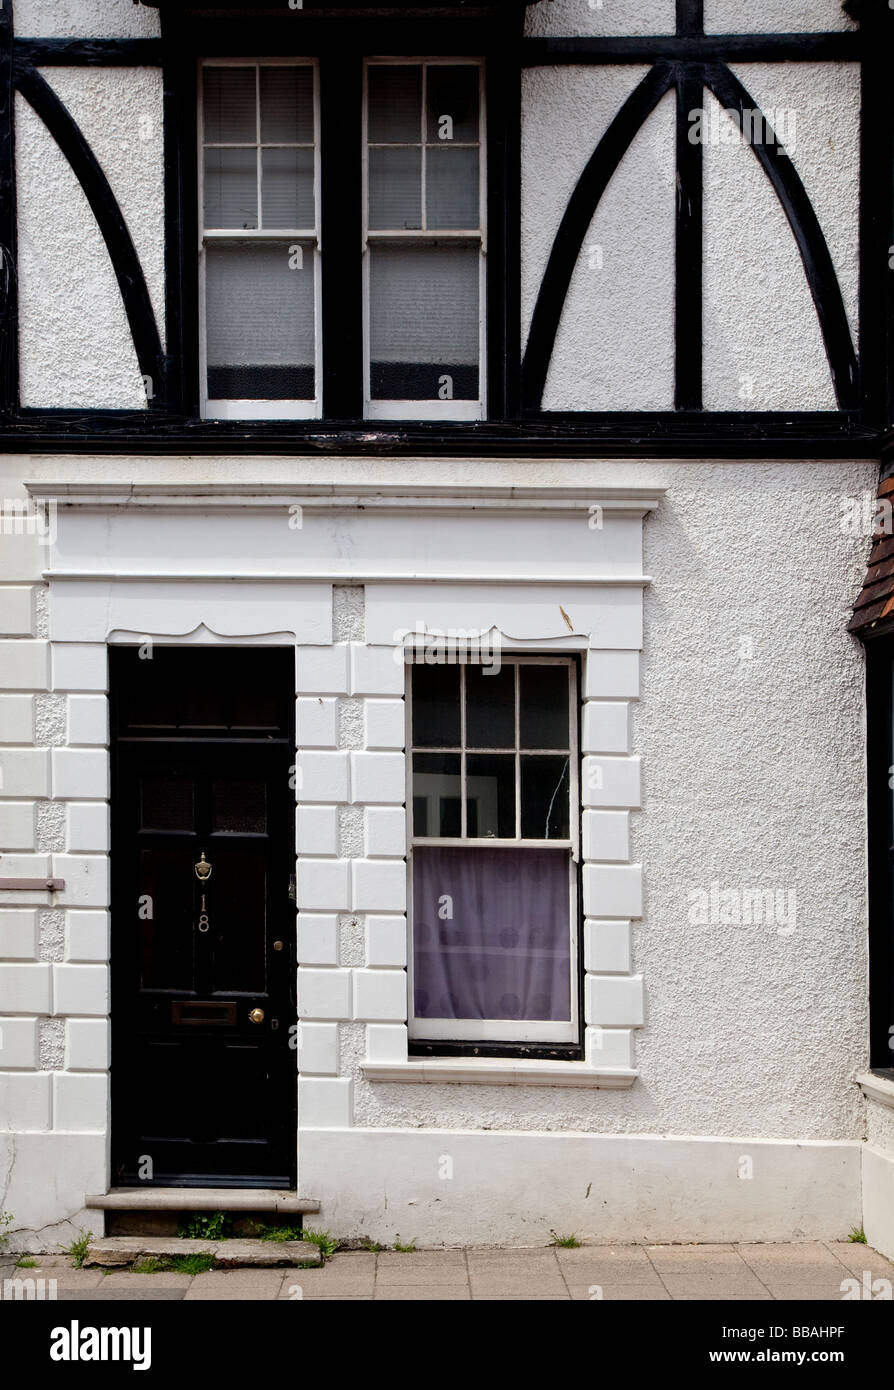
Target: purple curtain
x=491, y=933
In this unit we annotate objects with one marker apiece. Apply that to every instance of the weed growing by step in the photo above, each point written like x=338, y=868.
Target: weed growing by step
x=205, y=1225
x=857, y=1236
x=26, y=1263
x=564, y=1242
x=326, y=1243
x=78, y=1249
x=408, y=1248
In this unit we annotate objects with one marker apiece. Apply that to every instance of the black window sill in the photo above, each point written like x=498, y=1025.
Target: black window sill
x=544, y=1052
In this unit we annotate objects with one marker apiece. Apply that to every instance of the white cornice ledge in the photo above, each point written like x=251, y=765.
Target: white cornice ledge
x=877, y=1088
x=497, y=1071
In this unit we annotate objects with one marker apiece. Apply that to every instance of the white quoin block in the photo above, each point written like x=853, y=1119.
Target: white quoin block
x=379, y=885
x=380, y=994
x=317, y=938
x=24, y=772
x=385, y=723
x=316, y=830
x=86, y=935
x=607, y=947
x=16, y=718
x=374, y=671
x=80, y=666
x=611, y=675
x=25, y=1101
x=609, y=1047
x=86, y=879
x=386, y=1042
x=25, y=665
x=16, y=611
x=25, y=866
x=611, y=782
x=614, y=1000
x=318, y=1048
x=19, y=938
x=386, y=940
x=324, y=884
x=324, y=1103
x=17, y=825
x=18, y=1044
x=80, y=989
x=80, y=773
x=378, y=777
x=88, y=719
x=613, y=890
x=316, y=724
x=322, y=777
x=80, y=1103
x=324, y=994
x=606, y=835
x=322, y=670
x=386, y=831
x=87, y=1044
x=606, y=727
x=88, y=826
x=25, y=989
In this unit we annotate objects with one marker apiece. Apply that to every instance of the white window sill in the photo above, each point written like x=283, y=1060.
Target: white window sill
x=497, y=1071
x=877, y=1088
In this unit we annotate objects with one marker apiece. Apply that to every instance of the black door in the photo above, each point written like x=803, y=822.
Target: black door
x=203, y=1048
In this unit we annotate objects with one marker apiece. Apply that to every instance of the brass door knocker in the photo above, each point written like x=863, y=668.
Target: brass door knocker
x=203, y=873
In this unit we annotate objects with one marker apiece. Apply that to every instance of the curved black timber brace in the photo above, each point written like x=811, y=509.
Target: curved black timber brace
x=109, y=217
x=9, y=385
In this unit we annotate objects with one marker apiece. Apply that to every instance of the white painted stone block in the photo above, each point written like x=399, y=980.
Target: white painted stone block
x=25, y=1101
x=609, y=1047
x=318, y=1048
x=324, y=993
x=379, y=885
x=18, y=935
x=606, y=727
x=613, y=890
x=80, y=666
x=17, y=825
x=88, y=826
x=80, y=1103
x=316, y=723
x=25, y=665
x=87, y=1044
x=25, y=866
x=316, y=830
x=380, y=994
x=16, y=718
x=317, y=938
x=386, y=1042
x=614, y=1000
x=386, y=830
x=386, y=940
x=611, y=782
x=385, y=723
x=25, y=989
x=16, y=611
x=322, y=777
x=24, y=772
x=324, y=884
x=378, y=777
x=322, y=670
x=86, y=935
x=374, y=671
x=80, y=989
x=607, y=947
x=80, y=772
x=88, y=719
x=606, y=835
x=18, y=1044
x=324, y=1103
x=86, y=879
x=611, y=675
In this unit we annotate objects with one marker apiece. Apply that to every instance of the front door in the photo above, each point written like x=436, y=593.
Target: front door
x=203, y=1048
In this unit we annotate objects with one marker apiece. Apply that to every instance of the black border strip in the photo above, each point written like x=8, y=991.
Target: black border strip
x=89, y=52
x=689, y=271
x=847, y=46
x=9, y=326
x=879, y=756
x=690, y=16
x=104, y=205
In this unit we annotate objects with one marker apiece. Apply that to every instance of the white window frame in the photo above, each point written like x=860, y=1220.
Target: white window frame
x=259, y=409
x=428, y=410
x=501, y=1030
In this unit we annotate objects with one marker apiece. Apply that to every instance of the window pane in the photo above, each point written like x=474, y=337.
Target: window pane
x=490, y=796
x=395, y=104
x=543, y=716
x=490, y=707
x=287, y=188
x=451, y=188
x=231, y=188
x=545, y=797
x=260, y=317
x=424, y=330
x=229, y=105
x=505, y=952
x=436, y=706
x=452, y=92
x=436, y=794
x=287, y=105
x=395, y=189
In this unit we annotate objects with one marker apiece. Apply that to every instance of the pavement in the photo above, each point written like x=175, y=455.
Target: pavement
x=824, y=1271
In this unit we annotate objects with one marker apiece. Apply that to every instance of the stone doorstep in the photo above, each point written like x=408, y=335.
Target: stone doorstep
x=115, y=1251
x=230, y=1199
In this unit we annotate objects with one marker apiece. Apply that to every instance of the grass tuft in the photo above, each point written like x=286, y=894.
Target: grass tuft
x=564, y=1242
x=857, y=1236
x=78, y=1249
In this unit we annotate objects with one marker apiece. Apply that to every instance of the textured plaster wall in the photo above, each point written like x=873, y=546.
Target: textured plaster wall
x=880, y=1126
x=599, y=17
x=76, y=348
x=85, y=19
x=790, y=16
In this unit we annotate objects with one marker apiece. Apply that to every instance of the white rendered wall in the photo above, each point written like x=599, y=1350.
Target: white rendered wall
x=768, y=16
x=599, y=18
x=85, y=19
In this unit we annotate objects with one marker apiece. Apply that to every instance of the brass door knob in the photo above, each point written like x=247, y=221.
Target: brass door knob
x=257, y=1015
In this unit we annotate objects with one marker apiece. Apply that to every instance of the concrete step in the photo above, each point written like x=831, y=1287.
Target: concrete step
x=113, y=1252
x=262, y=1199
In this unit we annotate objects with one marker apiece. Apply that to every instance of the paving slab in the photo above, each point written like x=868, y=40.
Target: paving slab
x=708, y=1284
x=441, y=1293
x=791, y=1263
x=101, y=1295
x=604, y=1254
x=159, y=1280
x=643, y=1293
x=858, y=1257
x=610, y=1272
